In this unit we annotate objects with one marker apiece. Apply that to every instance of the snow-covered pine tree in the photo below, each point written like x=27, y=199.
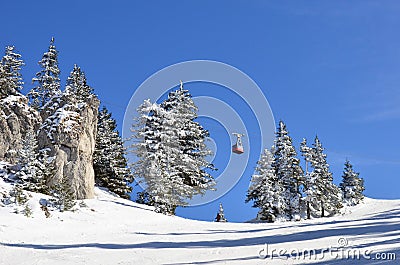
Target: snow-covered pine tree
x=3, y=82
x=10, y=73
x=192, y=163
x=157, y=147
x=109, y=161
x=77, y=87
x=31, y=168
x=265, y=189
x=171, y=151
x=352, y=185
x=63, y=198
x=47, y=171
x=289, y=172
x=47, y=80
x=322, y=192
x=16, y=195
x=308, y=189
x=221, y=215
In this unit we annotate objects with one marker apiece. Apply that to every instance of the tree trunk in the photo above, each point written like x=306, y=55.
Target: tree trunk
x=308, y=211
x=322, y=210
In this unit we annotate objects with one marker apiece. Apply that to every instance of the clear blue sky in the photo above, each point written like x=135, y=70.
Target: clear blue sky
x=326, y=67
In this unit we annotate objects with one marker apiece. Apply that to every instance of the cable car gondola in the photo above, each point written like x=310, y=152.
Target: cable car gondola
x=238, y=147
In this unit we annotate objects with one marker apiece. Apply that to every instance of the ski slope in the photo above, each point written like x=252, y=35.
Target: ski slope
x=116, y=231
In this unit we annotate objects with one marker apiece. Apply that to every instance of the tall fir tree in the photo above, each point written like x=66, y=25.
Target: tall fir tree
x=352, y=185
x=109, y=161
x=156, y=148
x=309, y=180
x=171, y=151
x=192, y=164
x=10, y=73
x=288, y=172
x=47, y=80
x=265, y=189
x=320, y=189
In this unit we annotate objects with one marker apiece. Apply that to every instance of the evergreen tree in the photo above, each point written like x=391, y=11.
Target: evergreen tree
x=47, y=80
x=265, y=189
x=10, y=73
x=192, y=165
x=109, y=161
x=32, y=169
x=77, y=88
x=221, y=215
x=306, y=152
x=63, y=198
x=3, y=82
x=309, y=181
x=171, y=151
x=46, y=172
x=288, y=172
x=352, y=185
x=17, y=195
x=20, y=200
x=156, y=148
x=320, y=189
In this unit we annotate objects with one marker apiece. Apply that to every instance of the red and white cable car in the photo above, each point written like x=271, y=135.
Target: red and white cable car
x=238, y=147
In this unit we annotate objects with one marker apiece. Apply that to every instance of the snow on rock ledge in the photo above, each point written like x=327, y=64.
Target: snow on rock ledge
x=16, y=118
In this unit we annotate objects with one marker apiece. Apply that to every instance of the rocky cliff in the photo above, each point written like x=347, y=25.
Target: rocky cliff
x=69, y=132
x=16, y=118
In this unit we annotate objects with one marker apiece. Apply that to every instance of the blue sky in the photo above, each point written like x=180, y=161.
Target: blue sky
x=326, y=67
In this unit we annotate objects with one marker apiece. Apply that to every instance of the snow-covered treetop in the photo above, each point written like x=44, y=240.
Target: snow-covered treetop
x=77, y=87
x=10, y=73
x=64, y=109
x=47, y=80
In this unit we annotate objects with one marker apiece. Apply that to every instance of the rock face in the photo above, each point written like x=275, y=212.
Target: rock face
x=69, y=132
x=16, y=118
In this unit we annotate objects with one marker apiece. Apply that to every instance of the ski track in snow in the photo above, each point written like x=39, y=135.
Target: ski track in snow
x=116, y=231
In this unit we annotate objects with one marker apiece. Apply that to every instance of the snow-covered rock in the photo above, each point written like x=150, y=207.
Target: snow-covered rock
x=16, y=118
x=69, y=132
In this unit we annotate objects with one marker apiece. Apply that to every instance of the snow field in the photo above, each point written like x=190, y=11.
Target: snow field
x=111, y=230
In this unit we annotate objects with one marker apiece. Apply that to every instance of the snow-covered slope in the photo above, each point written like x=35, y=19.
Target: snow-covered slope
x=116, y=231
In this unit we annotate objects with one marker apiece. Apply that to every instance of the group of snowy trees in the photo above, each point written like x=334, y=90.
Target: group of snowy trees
x=171, y=150
x=35, y=167
x=282, y=190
